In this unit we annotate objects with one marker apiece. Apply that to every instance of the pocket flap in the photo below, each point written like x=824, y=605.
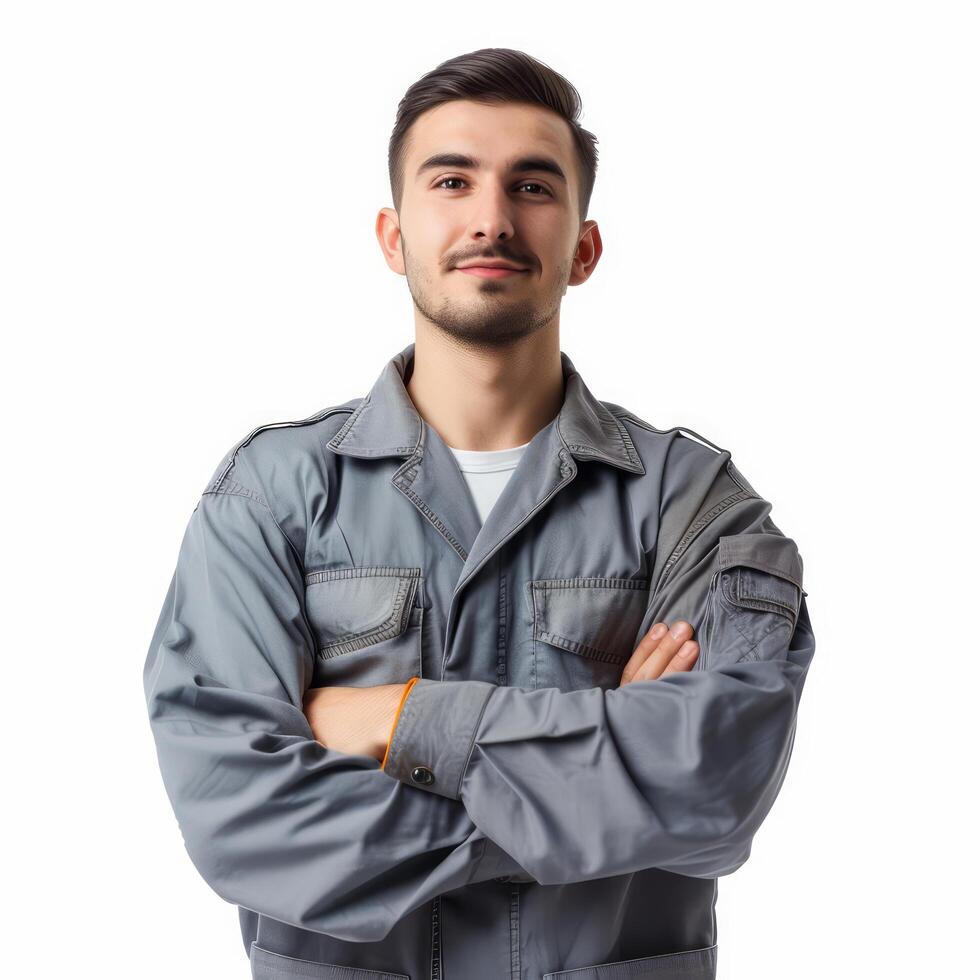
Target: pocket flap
x=352, y=608
x=593, y=617
x=773, y=553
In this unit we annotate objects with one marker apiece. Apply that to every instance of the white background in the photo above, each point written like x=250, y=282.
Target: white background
x=788, y=199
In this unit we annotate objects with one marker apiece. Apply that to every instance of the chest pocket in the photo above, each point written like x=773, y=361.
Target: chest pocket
x=367, y=623
x=584, y=629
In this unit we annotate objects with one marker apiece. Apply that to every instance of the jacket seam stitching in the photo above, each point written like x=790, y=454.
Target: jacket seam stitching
x=403, y=479
x=315, y=576
x=578, y=648
x=338, y=438
x=696, y=528
x=592, y=582
x=238, y=490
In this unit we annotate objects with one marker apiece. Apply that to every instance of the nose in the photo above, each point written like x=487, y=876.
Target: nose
x=492, y=216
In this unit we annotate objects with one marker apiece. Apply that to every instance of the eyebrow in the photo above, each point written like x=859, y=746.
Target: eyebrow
x=460, y=161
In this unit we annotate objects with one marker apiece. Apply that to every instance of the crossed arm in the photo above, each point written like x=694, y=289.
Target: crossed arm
x=693, y=756
x=361, y=720
x=279, y=819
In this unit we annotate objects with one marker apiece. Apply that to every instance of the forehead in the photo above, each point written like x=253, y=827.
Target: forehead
x=491, y=133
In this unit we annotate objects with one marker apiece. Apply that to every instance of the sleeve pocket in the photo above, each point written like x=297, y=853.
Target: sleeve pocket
x=753, y=600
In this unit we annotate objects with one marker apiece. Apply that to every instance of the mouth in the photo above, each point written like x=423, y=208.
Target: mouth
x=490, y=272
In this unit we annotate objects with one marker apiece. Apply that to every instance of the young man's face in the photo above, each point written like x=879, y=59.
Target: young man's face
x=456, y=213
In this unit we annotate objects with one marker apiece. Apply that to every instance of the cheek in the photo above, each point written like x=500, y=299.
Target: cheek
x=434, y=230
x=556, y=256
x=429, y=236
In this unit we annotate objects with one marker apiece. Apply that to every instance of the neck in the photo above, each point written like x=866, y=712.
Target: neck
x=485, y=399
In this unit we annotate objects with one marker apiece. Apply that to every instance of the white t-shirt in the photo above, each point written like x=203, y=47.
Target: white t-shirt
x=487, y=473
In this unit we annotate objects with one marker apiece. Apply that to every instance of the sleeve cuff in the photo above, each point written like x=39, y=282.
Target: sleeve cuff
x=398, y=711
x=434, y=734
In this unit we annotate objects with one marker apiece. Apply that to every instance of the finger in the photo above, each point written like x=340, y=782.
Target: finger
x=643, y=650
x=655, y=650
x=683, y=660
x=666, y=649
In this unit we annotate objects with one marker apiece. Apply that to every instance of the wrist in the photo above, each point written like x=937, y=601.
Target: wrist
x=395, y=697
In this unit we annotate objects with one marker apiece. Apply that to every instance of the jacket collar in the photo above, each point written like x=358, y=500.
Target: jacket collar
x=386, y=422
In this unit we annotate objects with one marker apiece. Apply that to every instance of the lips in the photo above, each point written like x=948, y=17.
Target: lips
x=490, y=272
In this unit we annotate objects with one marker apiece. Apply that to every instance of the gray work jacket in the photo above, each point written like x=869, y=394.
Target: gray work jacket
x=533, y=819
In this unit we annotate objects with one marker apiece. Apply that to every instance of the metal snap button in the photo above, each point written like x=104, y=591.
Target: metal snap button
x=423, y=774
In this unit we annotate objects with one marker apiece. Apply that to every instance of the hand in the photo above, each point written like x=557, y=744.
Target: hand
x=355, y=720
x=661, y=652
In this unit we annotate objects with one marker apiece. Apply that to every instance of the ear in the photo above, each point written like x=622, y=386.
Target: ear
x=587, y=253
x=388, y=230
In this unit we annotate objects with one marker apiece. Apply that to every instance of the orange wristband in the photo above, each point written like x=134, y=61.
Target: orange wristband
x=401, y=704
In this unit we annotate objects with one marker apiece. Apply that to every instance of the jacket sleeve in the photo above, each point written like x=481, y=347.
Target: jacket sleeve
x=676, y=773
x=274, y=821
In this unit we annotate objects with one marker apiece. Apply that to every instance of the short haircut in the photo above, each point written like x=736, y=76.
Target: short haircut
x=494, y=75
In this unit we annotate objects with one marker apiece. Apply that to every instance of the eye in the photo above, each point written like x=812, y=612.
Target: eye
x=527, y=183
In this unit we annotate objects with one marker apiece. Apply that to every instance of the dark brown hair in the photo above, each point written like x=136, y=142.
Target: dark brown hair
x=494, y=75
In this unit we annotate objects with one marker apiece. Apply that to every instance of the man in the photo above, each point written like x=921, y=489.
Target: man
x=479, y=676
